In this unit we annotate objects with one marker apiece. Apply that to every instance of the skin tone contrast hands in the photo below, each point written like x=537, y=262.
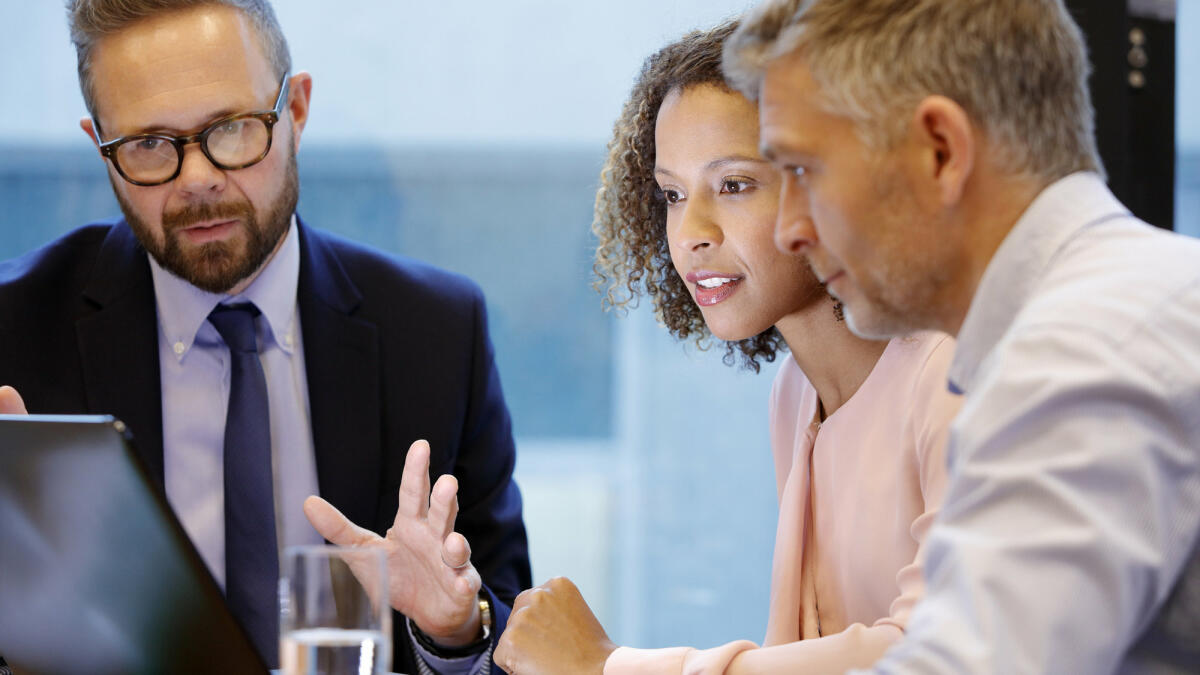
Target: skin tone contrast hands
x=429, y=564
x=431, y=578
x=552, y=630
x=10, y=402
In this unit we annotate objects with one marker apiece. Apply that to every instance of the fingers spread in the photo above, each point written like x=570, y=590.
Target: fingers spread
x=456, y=554
x=414, y=484
x=467, y=585
x=456, y=550
x=334, y=526
x=443, y=505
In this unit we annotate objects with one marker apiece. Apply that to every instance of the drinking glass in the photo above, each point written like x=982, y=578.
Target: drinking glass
x=334, y=615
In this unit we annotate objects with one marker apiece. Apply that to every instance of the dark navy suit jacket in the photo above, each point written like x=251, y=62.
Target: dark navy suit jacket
x=394, y=350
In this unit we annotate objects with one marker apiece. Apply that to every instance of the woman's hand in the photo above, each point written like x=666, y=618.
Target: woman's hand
x=552, y=630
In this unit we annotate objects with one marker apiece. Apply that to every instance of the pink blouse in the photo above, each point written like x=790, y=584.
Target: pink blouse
x=857, y=494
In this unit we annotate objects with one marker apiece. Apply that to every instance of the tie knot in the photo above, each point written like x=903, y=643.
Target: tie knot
x=235, y=323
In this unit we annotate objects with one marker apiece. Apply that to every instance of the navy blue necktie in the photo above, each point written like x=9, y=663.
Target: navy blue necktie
x=251, y=553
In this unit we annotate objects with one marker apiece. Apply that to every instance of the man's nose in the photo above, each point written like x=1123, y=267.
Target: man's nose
x=198, y=175
x=794, y=231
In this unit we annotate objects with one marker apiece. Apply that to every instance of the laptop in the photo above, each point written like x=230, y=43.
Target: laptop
x=96, y=573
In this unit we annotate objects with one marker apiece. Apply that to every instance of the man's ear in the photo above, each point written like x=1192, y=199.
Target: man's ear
x=945, y=139
x=89, y=128
x=298, y=100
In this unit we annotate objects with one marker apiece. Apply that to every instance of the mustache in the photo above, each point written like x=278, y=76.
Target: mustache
x=197, y=213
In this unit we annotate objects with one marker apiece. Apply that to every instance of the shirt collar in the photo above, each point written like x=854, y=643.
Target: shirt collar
x=1059, y=212
x=183, y=308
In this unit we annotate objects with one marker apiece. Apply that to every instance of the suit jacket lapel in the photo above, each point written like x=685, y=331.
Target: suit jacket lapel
x=118, y=344
x=341, y=357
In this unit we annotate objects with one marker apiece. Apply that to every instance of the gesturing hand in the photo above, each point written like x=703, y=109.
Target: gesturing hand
x=430, y=576
x=552, y=630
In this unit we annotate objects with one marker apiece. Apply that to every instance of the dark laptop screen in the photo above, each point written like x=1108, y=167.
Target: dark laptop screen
x=96, y=575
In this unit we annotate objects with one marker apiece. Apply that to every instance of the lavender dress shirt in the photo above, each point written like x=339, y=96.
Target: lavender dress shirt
x=195, y=369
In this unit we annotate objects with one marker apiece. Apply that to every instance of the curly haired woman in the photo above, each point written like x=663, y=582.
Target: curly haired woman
x=686, y=215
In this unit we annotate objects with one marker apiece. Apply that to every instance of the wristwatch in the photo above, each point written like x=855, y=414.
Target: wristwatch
x=485, y=615
x=469, y=649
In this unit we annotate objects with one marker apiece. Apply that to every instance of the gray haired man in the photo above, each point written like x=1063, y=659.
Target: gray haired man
x=941, y=172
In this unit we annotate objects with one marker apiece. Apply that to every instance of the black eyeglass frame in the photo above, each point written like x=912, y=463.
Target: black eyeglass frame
x=267, y=117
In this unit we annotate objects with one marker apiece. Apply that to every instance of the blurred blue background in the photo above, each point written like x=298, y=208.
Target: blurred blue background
x=471, y=135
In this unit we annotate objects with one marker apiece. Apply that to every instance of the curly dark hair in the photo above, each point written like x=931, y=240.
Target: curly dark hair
x=632, y=256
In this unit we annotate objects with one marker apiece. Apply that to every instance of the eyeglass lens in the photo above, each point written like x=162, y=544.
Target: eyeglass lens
x=231, y=144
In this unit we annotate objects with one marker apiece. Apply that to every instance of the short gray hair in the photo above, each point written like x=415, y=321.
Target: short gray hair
x=92, y=20
x=1018, y=67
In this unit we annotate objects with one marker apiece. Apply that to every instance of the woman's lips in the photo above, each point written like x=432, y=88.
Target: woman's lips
x=712, y=288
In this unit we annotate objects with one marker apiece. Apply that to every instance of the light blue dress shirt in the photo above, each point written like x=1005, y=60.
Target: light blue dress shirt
x=1068, y=539
x=195, y=372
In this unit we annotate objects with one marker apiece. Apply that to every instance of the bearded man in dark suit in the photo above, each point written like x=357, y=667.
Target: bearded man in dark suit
x=197, y=116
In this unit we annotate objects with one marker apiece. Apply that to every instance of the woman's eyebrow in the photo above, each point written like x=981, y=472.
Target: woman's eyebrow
x=717, y=163
x=733, y=159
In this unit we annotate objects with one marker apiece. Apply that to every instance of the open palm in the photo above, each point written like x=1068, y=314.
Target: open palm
x=430, y=576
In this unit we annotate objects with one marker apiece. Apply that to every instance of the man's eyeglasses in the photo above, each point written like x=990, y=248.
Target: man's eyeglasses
x=233, y=142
